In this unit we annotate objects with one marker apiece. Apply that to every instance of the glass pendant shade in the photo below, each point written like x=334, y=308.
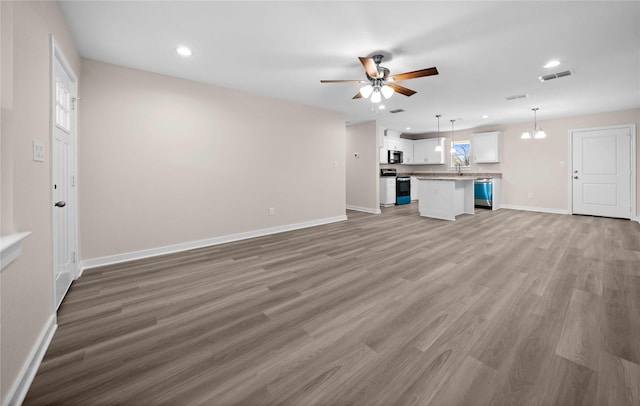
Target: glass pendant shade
x=540, y=134
x=525, y=135
x=366, y=91
x=376, y=97
x=387, y=91
x=438, y=147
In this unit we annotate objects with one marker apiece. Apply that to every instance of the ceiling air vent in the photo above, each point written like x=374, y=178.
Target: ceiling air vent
x=396, y=111
x=555, y=75
x=518, y=96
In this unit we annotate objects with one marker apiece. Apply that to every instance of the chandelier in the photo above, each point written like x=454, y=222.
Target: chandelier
x=537, y=131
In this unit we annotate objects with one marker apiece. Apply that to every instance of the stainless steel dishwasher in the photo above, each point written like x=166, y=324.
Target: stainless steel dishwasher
x=483, y=193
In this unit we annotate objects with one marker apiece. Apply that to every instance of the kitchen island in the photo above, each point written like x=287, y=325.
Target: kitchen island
x=445, y=197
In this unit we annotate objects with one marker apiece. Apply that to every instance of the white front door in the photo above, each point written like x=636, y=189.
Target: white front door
x=602, y=172
x=63, y=176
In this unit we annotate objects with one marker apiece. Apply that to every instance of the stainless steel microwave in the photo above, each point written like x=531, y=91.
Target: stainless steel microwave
x=394, y=157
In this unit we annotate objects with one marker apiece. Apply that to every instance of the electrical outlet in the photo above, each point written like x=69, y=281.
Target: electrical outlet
x=563, y=164
x=272, y=211
x=530, y=195
x=38, y=151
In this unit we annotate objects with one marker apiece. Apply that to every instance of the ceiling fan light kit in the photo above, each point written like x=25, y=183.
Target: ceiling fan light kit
x=377, y=78
x=537, y=132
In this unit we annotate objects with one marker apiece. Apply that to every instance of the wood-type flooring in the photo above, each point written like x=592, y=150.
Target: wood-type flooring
x=502, y=308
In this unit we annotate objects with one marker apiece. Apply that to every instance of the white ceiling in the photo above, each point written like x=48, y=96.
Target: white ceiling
x=484, y=51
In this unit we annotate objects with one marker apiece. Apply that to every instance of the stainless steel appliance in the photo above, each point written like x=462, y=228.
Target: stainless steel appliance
x=483, y=193
x=394, y=157
x=388, y=172
x=403, y=190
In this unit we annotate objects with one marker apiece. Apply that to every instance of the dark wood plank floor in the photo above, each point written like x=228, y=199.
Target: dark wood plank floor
x=502, y=308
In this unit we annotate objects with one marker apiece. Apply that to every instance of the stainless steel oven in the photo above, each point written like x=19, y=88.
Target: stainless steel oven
x=403, y=190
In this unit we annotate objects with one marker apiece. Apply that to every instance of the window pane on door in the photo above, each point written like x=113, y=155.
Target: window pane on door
x=63, y=106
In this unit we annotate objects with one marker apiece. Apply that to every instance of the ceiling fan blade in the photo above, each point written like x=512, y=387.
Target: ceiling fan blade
x=357, y=96
x=343, y=81
x=415, y=74
x=402, y=90
x=369, y=66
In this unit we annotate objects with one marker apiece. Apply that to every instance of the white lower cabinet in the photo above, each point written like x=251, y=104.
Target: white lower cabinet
x=387, y=191
x=414, y=188
x=496, y=186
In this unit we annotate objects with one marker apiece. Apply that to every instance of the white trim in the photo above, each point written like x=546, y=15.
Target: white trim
x=17, y=393
x=11, y=247
x=632, y=128
x=538, y=209
x=170, y=249
x=364, y=209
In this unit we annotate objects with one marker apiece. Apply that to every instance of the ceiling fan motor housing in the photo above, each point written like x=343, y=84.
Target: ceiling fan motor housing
x=383, y=73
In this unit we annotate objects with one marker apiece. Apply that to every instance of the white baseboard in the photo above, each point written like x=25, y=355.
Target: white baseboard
x=364, y=209
x=545, y=210
x=170, y=249
x=538, y=209
x=19, y=390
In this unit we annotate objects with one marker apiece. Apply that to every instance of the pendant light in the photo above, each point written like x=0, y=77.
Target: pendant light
x=438, y=147
x=452, y=150
x=537, y=131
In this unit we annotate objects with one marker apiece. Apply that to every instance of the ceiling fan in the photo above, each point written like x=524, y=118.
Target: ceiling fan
x=379, y=83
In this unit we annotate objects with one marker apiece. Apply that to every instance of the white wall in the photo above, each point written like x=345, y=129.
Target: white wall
x=362, y=188
x=165, y=161
x=27, y=283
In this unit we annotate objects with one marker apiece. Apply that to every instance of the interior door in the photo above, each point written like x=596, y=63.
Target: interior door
x=63, y=179
x=602, y=172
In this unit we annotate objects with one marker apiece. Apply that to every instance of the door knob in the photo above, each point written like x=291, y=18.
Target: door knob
x=61, y=204
x=575, y=177
x=575, y=171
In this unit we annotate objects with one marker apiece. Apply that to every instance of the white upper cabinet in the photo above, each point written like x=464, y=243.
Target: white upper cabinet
x=394, y=144
x=406, y=146
x=486, y=147
x=424, y=151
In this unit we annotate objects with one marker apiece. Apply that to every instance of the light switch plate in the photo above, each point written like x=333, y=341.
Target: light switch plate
x=38, y=151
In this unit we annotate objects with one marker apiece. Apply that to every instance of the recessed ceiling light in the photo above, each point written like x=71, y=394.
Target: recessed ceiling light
x=184, y=51
x=408, y=128
x=485, y=116
x=381, y=107
x=552, y=64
